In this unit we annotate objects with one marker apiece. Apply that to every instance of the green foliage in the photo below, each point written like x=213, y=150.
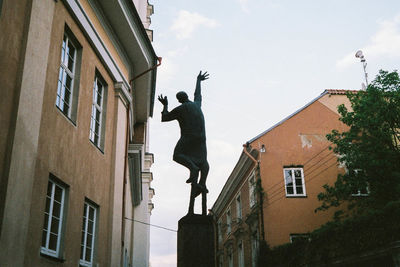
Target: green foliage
x=370, y=148
x=338, y=239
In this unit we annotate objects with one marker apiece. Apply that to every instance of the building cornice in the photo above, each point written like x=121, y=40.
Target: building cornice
x=234, y=180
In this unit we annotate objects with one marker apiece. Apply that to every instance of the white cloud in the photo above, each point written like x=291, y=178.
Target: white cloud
x=188, y=22
x=244, y=5
x=384, y=43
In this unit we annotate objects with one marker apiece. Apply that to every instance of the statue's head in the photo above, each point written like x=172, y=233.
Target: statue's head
x=182, y=97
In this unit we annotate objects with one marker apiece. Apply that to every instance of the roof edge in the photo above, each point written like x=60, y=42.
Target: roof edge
x=325, y=92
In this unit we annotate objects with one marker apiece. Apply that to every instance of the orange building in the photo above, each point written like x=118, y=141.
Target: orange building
x=272, y=192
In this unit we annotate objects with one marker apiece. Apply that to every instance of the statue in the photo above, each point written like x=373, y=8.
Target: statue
x=191, y=150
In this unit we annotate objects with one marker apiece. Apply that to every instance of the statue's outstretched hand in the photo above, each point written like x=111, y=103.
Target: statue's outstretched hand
x=163, y=100
x=202, y=77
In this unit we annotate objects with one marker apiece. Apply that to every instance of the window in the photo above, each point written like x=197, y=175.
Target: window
x=294, y=182
x=53, y=219
x=299, y=237
x=88, y=234
x=252, y=190
x=67, y=87
x=97, y=120
x=221, y=261
x=230, y=257
x=219, y=231
x=228, y=222
x=238, y=207
x=240, y=254
x=359, y=190
x=254, y=248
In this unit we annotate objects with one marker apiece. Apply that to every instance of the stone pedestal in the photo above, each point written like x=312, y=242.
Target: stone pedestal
x=196, y=241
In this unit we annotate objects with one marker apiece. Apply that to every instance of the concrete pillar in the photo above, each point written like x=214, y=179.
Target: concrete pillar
x=196, y=242
x=17, y=206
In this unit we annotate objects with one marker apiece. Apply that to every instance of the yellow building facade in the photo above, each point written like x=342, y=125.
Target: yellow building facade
x=74, y=133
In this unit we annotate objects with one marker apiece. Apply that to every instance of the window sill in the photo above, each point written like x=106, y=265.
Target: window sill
x=101, y=150
x=51, y=257
x=65, y=116
x=296, y=196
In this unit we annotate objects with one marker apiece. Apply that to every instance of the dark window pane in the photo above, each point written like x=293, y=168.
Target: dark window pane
x=90, y=227
x=91, y=213
x=299, y=190
x=82, y=252
x=49, y=187
x=88, y=256
x=89, y=239
x=56, y=209
x=53, y=241
x=54, y=225
x=298, y=181
x=47, y=205
x=289, y=190
x=98, y=114
x=46, y=222
x=297, y=173
x=68, y=82
x=44, y=235
x=58, y=193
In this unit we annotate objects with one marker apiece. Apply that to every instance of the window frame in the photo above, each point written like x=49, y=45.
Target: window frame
x=228, y=221
x=240, y=254
x=98, y=79
x=359, y=194
x=46, y=250
x=252, y=190
x=303, y=184
x=63, y=72
x=238, y=207
x=86, y=210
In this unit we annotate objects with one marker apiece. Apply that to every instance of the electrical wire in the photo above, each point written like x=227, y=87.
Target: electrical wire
x=279, y=191
x=157, y=226
x=310, y=159
x=309, y=180
x=306, y=173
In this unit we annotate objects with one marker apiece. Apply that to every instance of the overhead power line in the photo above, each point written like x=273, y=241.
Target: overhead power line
x=157, y=226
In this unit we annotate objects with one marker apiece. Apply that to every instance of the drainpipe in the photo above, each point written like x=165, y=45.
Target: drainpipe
x=159, y=59
x=126, y=158
x=257, y=162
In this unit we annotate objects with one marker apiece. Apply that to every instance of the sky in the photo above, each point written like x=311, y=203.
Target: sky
x=266, y=59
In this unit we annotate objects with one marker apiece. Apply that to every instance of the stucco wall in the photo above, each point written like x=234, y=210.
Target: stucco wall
x=65, y=151
x=14, y=22
x=298, y=141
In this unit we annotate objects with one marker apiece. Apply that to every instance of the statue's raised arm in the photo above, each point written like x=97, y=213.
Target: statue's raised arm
x=197, y=93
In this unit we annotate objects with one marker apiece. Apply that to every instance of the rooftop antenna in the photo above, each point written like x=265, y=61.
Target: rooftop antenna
x=360, y=55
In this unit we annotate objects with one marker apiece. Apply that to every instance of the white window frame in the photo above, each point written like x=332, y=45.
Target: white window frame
x=240, y=254
x=50, y=200
x=86, y=232
x=101, y=109
x=228, y=221
x=63, y=72
x=295, y=194
x=252, y=190
x=238, y=207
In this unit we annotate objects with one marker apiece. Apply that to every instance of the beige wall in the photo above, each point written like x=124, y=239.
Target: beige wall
x=14, y=22
x=65, y=151
x=298, y=141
